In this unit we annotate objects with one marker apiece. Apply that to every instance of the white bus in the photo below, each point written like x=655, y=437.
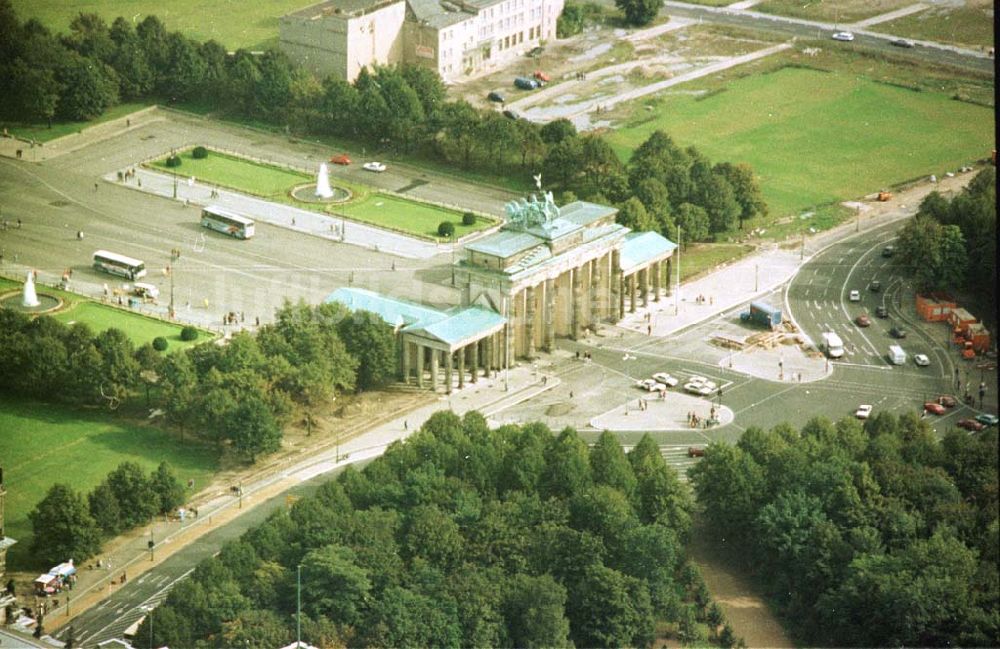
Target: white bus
x=116, y=264
x=226, y=222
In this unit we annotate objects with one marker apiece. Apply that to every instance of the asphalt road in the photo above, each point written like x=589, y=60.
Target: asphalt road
x=926, y=52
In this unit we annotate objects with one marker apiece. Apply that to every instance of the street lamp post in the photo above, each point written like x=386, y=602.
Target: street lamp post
x=175, y=254
x=298, y=606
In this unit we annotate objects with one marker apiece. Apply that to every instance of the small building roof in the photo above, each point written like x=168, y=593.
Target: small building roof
x=504, y=243
x=468, y=324
x=394, y=311
x=584, y=213
x=640, y=248
x=343, y=8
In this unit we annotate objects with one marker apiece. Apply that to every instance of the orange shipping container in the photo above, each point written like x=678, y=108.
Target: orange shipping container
x=934, y=307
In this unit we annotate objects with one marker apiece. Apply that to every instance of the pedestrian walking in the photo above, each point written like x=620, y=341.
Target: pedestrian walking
x=139, y=181
x=95, y=187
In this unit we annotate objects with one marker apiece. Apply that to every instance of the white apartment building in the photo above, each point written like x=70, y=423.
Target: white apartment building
x=457, y=38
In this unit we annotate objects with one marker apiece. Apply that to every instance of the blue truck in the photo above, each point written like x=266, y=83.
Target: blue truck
x=525, y=83
x=762, y=313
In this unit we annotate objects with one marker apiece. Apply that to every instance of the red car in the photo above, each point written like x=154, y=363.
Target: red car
x=863, y=321
x=970, y=425
x=933, y=406
x=946, y=401
x=341, y=159
x=541, y=76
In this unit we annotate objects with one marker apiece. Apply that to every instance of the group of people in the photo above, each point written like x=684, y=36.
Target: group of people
x=701, y=299
x=7, y=225
x=585, y=356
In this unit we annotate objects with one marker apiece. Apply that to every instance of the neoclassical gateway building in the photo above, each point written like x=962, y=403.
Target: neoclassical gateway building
x=547, y=272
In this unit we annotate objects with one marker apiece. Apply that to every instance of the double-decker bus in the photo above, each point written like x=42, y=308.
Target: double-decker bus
x=226, y=222
x=111, y=262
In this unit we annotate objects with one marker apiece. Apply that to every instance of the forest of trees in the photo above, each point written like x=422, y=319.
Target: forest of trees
x=78, y=76
x=874, y=535
x=952, y=245
x=461, y=536
x=241, y=393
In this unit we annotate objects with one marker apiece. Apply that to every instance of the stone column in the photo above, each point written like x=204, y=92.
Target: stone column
x=550, y=316
x=434, y=369
x=632, y=292
x=475, y=361
x=529, y=321
x=657, y=273
x=595, y=292
x=644, y=286
x=577, y=279
x=449, y=361
x=406, y=362
x=461, y=367
x=666, y=278
x=420, y=365
x=617, y=287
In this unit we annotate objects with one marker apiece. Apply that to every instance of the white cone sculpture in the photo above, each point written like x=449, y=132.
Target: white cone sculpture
x=30, y=298
x=323, y=182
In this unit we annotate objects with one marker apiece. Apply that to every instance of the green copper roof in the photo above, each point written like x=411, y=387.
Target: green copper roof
x=453, y=327
x=584, y=213
x=505, y=243
x=640, y=248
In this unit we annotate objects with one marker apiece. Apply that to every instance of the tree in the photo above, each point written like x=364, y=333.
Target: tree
x=563, y=161
x=167, y=487
x=62, y=528
x=719, y=202
x=534, y=608
x=598, y=161
x=90, y=37
x=273, y=90
x=570, y=21
x=34, y=92
x=256, y=629
x=403, y=618
x=693, y=221
x=253, y=428
x=183, y=74
x=89, y=88
x=567, y=469
x=746, y=191
x=105, y=510
x=729, y=485
x=639, y=12
x=609, y=465
x=134, y=493
x=632, y=214
x=373, y=343
x=560, y=129
x=427, y=85
x=610, y=609
x=458, y=122
x=333, y=585
x=656, y=199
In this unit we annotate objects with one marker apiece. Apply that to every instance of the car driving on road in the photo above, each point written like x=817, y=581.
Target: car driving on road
x=666, y=379
x=901, y=42
x=863, y=412
x=650, y=385
x=340, y=159
x=863, y=321
x=843, y=36
x=496, y=96
x=881, y=311
x=377, y=167
x=921, y=360
x=897, y=332
x=854, y=296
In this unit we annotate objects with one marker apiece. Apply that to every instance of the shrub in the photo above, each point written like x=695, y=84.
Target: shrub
x=199, y=153
x=189, y=333
x=160, y=344
x=468, y=218
x=446, y=229
x=174, y=161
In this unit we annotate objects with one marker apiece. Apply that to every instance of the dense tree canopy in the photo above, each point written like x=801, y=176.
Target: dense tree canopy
x=439, y=543
x=882, y=536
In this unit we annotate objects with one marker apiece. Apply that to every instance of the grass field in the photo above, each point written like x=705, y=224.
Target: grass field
x=970, y=26
x=234, y=23
x=834, y=11
x=139, y=328
x=818, y=137
x=38, y=441
x=701, y=257
x=366, y=205
x=42, y=133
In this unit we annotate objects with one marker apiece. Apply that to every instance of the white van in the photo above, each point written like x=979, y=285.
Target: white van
x=832, y=345
x=896, y=355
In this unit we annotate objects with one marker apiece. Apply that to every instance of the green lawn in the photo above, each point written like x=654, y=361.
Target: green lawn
x=838, y=11
x=366, y=205
x=139, y=328
x=818, y=137
x=43, y=133
x=968, y=26
x=698, y=258
x=40, y=441
x=234, y=23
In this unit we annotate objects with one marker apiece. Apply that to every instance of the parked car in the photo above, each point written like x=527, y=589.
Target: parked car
x=863, y=411
x=881, y=311
x=541, y=76
x=650, y=385
x=947, y=401
x=897, y=332
x=511, y=114
x=854, y=296
x=698, y=388
x=921, y=360
x=934, y=407
x=901, y=42
x=374, y=166
x=525, y=83
x=843, y=36
x=970, y=425
x=863, y=321
x=875, y=286
x=496, y=96
x=987, y=419
x=888, y=251
x=666, y=379
x=340, y=159
x=697, y=379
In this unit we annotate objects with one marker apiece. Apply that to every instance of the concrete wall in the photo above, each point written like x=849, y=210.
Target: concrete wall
x=375, y=38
